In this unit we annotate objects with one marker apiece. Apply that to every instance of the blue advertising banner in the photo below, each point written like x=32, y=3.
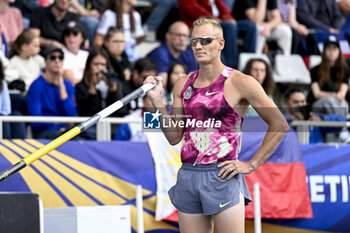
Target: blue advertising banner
x=328, y=177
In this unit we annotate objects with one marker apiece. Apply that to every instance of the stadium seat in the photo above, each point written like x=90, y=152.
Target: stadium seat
x=245, y=57
x=314, y=60
x=146, y=47
x=291, y=69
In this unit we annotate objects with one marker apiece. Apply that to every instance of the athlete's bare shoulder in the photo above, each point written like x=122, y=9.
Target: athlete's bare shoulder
x=180, y=83
x=241, y=83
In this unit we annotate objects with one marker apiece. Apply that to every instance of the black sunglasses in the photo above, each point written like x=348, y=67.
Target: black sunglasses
x=71, y=32
x=54, y=57
x=205, y=40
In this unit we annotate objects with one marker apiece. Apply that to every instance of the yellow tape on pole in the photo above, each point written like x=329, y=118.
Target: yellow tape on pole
x=52, y=145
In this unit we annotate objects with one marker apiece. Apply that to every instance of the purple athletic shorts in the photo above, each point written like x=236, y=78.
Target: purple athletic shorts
x=199, y=190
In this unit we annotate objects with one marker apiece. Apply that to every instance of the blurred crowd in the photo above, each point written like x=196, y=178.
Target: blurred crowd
x=75, y=57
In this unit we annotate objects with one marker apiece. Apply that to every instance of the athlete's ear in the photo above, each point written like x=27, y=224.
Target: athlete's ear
x=222, y=43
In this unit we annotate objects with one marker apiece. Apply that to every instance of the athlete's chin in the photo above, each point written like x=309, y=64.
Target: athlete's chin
x=202, y=60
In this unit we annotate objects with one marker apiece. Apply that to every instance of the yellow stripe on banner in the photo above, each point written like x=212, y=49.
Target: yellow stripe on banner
x=150, y=223
x=73, y=194
x=35, y=182
x=150, y=203
x=120, y=186
x=52, y=145
x=105, y=196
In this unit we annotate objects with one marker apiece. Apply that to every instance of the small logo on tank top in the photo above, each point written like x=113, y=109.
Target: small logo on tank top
x=188, y=93
x=211, y=93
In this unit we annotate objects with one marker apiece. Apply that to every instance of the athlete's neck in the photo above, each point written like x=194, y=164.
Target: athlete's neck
x=210, y=72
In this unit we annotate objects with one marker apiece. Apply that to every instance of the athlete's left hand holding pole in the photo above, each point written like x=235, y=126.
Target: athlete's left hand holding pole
x=77, y=130
x=173, y=134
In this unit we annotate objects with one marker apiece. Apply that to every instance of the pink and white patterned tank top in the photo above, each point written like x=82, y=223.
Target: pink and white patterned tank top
x=213, y=130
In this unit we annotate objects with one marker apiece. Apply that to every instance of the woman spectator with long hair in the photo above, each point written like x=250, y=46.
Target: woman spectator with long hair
x=98, y=88
x=176, y=70
x=121, y=14
x=114, y=43
x=260, y=70
x=330, y=81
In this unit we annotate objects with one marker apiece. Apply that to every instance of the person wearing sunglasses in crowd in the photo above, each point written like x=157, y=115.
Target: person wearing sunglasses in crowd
x=75, y=57
x=51, y=95
x=210, y=188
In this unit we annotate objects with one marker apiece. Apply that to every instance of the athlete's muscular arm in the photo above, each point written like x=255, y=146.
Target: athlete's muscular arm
x=247, y=88
x=173, y=133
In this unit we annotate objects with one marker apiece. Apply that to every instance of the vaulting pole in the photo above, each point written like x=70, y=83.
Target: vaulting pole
x=75, y=131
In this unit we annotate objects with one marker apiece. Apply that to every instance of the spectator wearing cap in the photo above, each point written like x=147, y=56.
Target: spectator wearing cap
x=89, y=18
x=74, y=56
x=49, y=22
x=330, y=81
x=51, y=95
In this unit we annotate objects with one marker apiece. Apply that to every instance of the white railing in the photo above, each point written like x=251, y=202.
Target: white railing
x=103, y=127
x=303, y=128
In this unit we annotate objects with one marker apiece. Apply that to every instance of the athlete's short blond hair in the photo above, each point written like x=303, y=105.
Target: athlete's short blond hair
x=207, y=20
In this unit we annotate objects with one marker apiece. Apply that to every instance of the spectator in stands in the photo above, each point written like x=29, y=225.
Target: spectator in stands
x=51, y=95
x=49, y=22
x=24, y=57
x=4, y=45
x=219, y=10
x=11, y=20
x=9, y=130
x=74, y=56
x=296, y=105
x=26, y=7
x=98, y=5
x=322, y=16
x=344, y=7
x=176, y=70
x=114, y=43
x=120, y=14
x=26, y=65
x=230, y=3
x=260, y=70
x=157, y=16
x=174, y=49
x=143, y=67
x=330, y=81
x=98, y=88
x=300, y=32
x=89, y=18
x=267, y=17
